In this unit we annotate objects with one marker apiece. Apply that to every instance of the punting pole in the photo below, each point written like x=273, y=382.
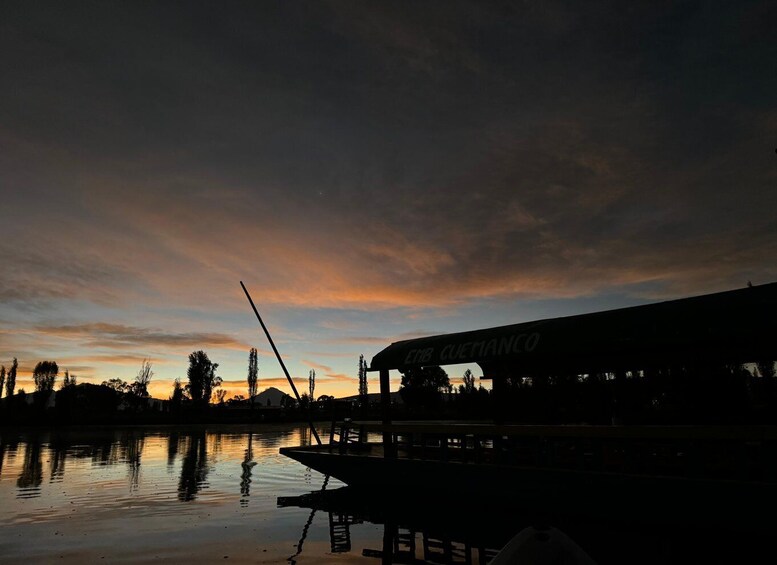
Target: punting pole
x=278, y=355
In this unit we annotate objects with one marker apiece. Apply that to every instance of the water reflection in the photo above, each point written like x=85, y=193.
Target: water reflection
x=340, y=531
x=194, y=468
x=132, y=452
x=57, y=455
x=173, y=445
x=48, y=452
x=413, y=532
x=245, y=477
x=31, y=477
x=119, y=447
x=7, y=450
x=75, y=481
x=401, y=545
x=313, y=509
x=104, y=450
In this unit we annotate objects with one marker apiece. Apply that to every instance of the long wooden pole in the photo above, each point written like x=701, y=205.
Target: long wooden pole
x=278, y=355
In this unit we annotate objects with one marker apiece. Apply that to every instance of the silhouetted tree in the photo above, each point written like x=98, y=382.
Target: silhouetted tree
x=212, y=383
x=2, y=379
x=176, y=399
x=68, y=381
x=140, y=387
x=253, y=372
x=312, y=383
x=362, y=380
x=220, y=395
x=202, y=377
x=423, y=386
x=469, y=383
x=117, y=384
x=44, y=375
x=10, y=378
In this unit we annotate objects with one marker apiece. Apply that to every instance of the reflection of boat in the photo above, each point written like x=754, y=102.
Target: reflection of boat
x=633, y=471
x=413, y=531
x=457, y=528
x=705, y=472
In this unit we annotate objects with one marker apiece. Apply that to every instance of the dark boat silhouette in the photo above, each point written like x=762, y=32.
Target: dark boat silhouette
x=675, y=472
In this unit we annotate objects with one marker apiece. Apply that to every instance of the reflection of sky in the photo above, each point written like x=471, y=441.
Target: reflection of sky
x=370, y=173
x=95, y=506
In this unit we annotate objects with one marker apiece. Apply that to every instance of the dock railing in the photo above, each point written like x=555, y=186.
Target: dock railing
x=720, y=452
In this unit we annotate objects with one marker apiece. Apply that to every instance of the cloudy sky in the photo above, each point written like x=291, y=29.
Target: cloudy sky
x=371, y=170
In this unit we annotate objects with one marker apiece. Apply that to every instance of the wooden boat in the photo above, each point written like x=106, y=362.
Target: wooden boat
x=677, y=472
x=627, y=470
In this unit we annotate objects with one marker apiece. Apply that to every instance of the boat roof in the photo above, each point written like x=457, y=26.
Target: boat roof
x=735, y=326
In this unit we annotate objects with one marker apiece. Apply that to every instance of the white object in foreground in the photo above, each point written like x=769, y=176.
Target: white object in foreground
x=541, y=546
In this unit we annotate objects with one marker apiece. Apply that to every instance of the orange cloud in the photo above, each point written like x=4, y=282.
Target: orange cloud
x=318, y=366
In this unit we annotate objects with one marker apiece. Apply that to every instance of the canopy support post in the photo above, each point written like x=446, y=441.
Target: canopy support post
x=385, y=404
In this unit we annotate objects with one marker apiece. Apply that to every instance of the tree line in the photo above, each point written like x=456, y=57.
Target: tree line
x=8, y=379
x=201, y=387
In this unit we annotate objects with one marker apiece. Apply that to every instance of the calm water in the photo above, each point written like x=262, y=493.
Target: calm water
x=202, y=495
x=161, y=494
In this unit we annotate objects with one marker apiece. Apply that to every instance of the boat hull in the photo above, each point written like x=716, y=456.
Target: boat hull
x=551, y=490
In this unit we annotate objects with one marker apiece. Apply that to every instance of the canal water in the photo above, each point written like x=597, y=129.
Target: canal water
x=196, y=494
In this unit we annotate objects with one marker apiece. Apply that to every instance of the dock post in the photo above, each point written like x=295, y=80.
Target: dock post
x=385, y=403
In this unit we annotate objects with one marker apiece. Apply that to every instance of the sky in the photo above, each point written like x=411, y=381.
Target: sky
x=373, y=171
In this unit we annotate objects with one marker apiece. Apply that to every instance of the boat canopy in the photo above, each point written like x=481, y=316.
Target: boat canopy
x=736, y=326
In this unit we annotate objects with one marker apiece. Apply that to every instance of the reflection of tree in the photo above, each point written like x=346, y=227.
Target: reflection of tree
x=245, y=477
x=58, y=451
x=194, y=468
x=133, y=449
x=11, y=448
x=304, y=435
x=32, y=469
x=2, y=452
x=104, y=450
x=173, y=443
x=215, y=448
